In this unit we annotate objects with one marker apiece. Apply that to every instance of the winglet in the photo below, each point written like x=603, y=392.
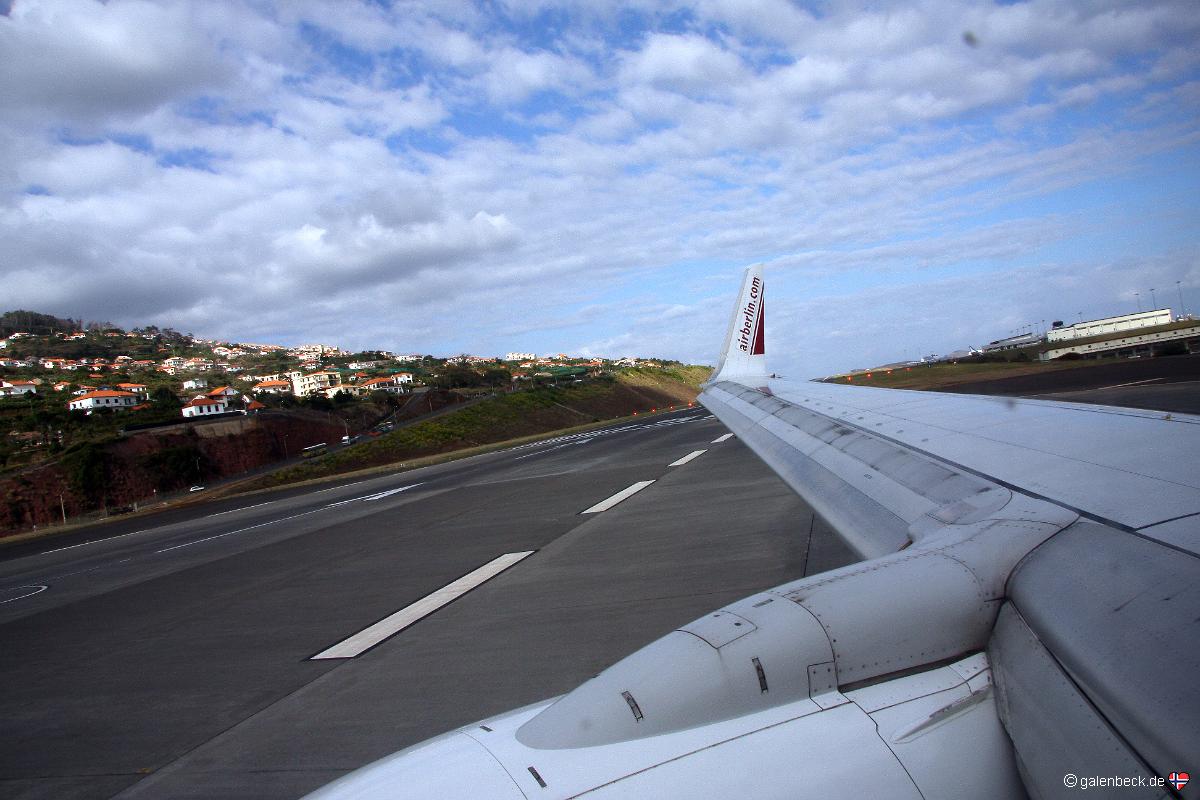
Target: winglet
x=744, y=359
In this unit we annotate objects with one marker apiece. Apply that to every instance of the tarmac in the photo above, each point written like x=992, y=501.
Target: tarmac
x=172, y=656
x=176, y=661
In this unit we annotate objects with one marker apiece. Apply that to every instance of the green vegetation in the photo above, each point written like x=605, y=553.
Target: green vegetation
x=85, y=467
x=35, y=324
x=510, y=416
x=941, y=375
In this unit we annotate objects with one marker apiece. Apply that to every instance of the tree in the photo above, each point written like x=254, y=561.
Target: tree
x=497, y=376
x=164, y=398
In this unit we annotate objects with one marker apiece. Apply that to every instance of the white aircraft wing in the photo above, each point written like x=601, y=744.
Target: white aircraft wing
x=1025, y=620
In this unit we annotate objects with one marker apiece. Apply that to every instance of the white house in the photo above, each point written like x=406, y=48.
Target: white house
x=204, y=406
x=104, y=398
x=18, y=387
x=316, y=382
x=273, y=387
x=194, y=384
x=390, y=383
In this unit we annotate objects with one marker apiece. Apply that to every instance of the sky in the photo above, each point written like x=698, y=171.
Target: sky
x=592, y=178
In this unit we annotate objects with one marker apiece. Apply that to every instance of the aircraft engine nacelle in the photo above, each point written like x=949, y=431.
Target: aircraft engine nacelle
x=932, y=735
x=834, y=686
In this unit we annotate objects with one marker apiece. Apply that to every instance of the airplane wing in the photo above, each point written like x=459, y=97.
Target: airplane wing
x=1024, y=620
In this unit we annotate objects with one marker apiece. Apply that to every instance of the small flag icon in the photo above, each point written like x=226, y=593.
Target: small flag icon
x=1178, y=779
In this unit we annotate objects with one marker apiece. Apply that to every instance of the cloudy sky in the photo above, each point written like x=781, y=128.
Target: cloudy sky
x=482, y=177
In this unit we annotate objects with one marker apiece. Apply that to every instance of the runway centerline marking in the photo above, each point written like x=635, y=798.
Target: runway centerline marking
x=679, y=462
x=624, y=494
x=389, y=626
x=723, y=437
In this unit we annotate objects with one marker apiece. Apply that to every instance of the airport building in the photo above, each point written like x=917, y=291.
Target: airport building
x=1012, y=343
x=1103, y=327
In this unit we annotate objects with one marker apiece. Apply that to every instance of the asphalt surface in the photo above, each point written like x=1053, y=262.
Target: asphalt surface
x=1170, y=383
x=173, y=660
x=171, y=656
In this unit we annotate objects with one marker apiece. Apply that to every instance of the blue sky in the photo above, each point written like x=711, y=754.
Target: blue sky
x=451, y=177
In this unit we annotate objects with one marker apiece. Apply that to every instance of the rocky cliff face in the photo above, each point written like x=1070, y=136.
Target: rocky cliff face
x=143, y=465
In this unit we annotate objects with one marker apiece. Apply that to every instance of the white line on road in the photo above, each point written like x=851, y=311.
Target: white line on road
x=679, y=462
x=1132, y=383
x=627, y=492
x=391, y=625
x=241, y=530
x=556, y=447
x=721, y=438
x=94, y=541
x=391, y=492
x=285, y=519
x=376, y=496
x=243, y=508
x=36, y=589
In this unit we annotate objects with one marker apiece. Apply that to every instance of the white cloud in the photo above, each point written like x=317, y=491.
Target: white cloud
x=688, y=64
x=374, y=172
x=79, y=60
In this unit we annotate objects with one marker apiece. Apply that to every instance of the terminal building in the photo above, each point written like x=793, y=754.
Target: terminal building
x=1108, y=325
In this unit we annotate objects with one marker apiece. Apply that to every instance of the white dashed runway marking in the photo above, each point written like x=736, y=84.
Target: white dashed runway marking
x=389, y=626
x=624, y=494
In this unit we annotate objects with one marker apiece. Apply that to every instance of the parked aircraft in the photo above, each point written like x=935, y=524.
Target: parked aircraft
x=1024, y=621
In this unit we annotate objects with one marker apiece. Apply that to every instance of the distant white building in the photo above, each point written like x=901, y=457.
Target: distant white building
x=18, y=387
x=205, y=406
x=1099, y=327
x=273, y=387
x=316, y=350
x=393, y=384
x=104, y=398
x=316, y=382
x=520, y=356
x=1010, y=343
x=194, y=384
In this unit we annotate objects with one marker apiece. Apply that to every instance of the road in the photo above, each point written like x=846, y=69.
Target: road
x=176, y=661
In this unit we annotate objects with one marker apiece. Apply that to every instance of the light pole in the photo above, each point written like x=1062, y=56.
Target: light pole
x=1153, y=302
x=1182, y=310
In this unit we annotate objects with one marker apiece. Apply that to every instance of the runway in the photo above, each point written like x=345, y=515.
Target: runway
x=261, y=647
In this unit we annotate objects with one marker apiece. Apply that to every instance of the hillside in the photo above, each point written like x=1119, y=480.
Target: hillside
x=512, y=416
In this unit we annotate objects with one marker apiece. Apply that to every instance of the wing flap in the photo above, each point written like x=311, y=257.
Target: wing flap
x=877, y=495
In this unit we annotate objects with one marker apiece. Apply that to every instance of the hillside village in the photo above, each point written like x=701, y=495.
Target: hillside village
x=60, y=384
